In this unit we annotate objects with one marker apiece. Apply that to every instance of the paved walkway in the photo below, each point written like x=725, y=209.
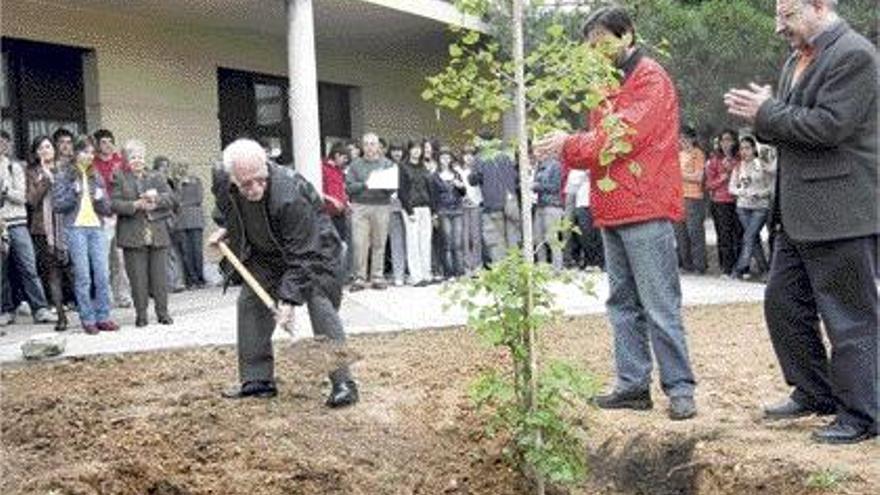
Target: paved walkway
x=208, y=317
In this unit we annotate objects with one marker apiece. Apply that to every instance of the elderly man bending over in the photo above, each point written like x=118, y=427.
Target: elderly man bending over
x=272, y=219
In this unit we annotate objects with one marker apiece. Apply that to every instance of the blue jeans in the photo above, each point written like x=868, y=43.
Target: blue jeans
x=644, y=306
x=453, y=241
x=21, y=255
x=88, y=253
x=753, y=221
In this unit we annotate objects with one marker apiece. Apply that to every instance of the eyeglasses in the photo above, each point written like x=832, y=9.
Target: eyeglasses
x=250, y=183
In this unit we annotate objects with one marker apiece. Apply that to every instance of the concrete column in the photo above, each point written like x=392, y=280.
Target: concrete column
x=303, y=75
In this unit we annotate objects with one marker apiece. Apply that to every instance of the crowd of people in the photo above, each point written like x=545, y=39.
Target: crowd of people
x=451, y=212
x=86, y=227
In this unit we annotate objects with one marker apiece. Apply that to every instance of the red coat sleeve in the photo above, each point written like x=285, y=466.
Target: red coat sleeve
x=642, y=104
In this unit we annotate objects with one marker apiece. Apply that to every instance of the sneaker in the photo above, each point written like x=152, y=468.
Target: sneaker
x=7, y=319
x=91, y=329
x=43, y=315
x=379, y=285
x=124, y=302
x=639, y=400
x=356, y=286
x=398, y=283
x=681, y=408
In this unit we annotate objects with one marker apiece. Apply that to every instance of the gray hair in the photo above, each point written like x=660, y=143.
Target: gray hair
x=832, y=4
x=132, y=146
x=243, y=152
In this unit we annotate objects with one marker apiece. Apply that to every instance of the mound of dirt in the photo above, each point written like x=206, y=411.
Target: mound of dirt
x=154, y=423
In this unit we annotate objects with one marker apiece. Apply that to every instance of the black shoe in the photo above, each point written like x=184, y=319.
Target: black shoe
x=792, y=409
x=141, y=322
x=61, y=326
x=256, y=389
x=165, y=320
x=839, y=432
x=379, y=285
x=344, y=393
x=681, y=408
x=635, y=399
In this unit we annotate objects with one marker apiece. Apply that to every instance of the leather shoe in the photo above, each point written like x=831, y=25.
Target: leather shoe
x=256, y=389
x=681, y=408
x=839, y=432
x=344, y=393
x=165, y=320
x=107, y=326
x=791, y=409
x=639, y=400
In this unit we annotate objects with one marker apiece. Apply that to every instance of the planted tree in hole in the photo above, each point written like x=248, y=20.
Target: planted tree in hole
x=546, y=86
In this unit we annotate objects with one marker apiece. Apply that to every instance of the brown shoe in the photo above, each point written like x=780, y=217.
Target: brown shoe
x=107, y=326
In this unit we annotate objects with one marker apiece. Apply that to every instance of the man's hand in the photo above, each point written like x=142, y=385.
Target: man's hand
x=550, y=145
x=216, y=237
x=745, y=103
x=284, y=317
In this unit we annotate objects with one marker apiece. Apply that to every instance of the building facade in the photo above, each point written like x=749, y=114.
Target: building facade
x=188, y=76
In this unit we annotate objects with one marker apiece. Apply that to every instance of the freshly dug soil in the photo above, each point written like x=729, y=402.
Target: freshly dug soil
x=154, y=423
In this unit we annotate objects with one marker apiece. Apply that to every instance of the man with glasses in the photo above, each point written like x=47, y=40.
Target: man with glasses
x=273, y=220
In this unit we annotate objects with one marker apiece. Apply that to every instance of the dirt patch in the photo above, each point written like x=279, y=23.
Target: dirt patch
x=154, y=423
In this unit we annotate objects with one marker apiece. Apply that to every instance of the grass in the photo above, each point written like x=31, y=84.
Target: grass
x=827, y=479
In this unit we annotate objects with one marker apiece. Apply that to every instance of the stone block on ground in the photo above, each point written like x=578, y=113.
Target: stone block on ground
x=42, y=346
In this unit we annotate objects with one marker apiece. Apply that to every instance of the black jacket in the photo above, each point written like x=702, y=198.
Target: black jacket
x=415, y=186
x=309, y=249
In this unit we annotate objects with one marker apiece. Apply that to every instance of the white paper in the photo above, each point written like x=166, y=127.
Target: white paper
x=582, y=197
x=384, y=179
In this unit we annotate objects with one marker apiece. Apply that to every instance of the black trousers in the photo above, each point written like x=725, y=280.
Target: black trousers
x=729, y=234
x=189, y=245
x=256, y=323
x=832, y=282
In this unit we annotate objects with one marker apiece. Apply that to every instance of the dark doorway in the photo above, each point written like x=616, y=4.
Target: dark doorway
x=42, y=90
x=256, y=106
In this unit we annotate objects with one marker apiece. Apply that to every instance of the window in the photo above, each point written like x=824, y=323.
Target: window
x=40, y=91
x=256, y=106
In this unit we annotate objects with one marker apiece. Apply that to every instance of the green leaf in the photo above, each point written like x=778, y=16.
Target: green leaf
x=635, y=169
x=556, y=31
x=427, y=94
x=606, y=184
x=455, y=51
x=606, y=157
x=471, y=38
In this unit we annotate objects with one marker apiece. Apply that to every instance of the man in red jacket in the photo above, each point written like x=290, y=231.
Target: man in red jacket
x=636, y=218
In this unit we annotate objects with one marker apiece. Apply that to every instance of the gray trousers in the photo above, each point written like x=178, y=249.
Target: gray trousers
x=473, y=239
x=119, y=283
x=147, y=269
x=256, y=323
x=501, y=229
x=546, y=231
x=690, y=236
x=397, y=240
x=370, y=231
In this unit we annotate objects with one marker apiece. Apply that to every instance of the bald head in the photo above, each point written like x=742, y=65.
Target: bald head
x=799, y=20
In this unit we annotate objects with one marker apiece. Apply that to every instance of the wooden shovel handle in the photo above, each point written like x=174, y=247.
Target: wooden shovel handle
x=247, y=276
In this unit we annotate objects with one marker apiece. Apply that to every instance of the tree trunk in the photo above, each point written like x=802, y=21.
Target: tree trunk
x=525, y=176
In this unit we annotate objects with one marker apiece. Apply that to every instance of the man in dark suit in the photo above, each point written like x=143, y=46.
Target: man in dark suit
x=823, y=120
